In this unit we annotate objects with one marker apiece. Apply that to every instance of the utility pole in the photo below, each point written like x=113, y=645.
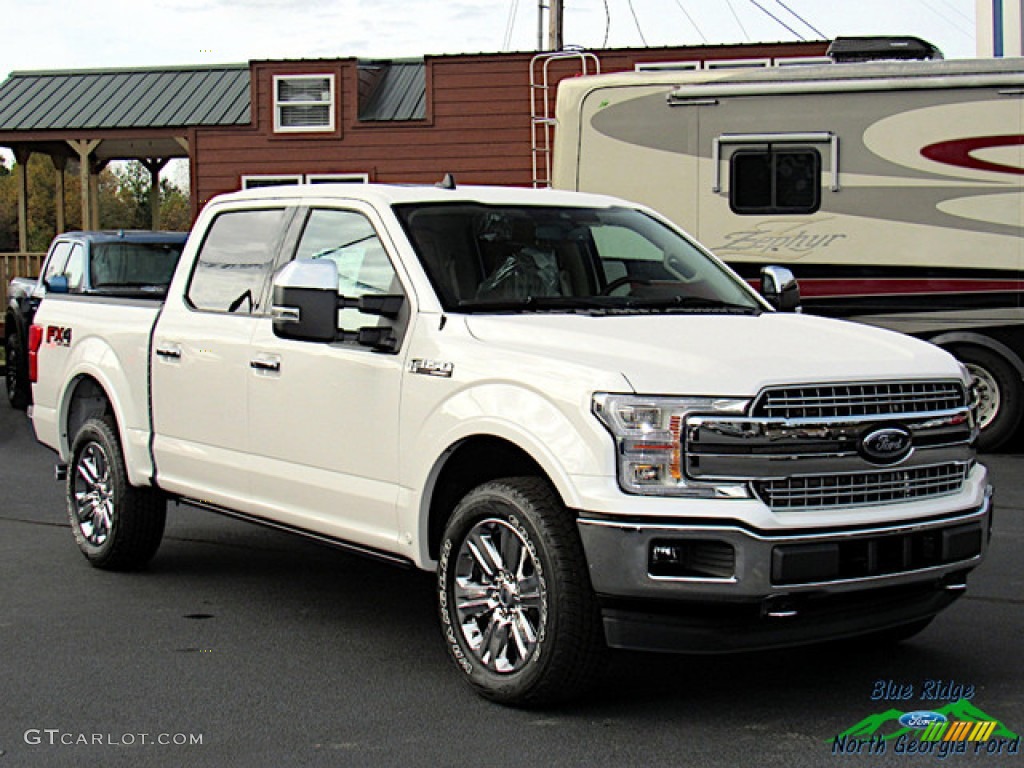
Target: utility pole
x=555, y=26
x=553, y=40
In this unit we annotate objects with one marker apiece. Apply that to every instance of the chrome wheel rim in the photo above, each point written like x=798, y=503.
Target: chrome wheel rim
x=988, y=394
x=94, y=495
x=500, y=597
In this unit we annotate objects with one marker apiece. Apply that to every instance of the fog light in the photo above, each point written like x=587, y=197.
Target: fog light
x=646, y=473
x=692, y=558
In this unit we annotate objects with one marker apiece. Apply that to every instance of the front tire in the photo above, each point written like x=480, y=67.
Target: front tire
x=116, y=526
x=517, y=611
x=19, y=392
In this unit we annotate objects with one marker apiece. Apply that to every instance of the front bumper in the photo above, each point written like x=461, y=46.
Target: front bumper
x=692, y=587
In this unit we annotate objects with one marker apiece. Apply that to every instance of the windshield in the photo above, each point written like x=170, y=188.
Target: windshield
x=483, y=258
x=117, y=265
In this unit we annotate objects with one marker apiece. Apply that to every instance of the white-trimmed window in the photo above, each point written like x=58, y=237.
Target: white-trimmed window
x=280, y=180
x=337, y=178
x=303, y=103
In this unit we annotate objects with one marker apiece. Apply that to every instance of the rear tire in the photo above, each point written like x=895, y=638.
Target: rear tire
x=116, y=526
x=19, y=392
x=518, y=614
x=1001, y=394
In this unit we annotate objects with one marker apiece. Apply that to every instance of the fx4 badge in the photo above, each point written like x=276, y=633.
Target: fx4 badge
x=56, y=336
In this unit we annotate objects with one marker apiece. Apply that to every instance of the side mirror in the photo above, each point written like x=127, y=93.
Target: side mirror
x=780, y=289
x=57, y=284
x=305, y=301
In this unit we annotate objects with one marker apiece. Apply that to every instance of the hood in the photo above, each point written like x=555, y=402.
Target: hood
x=718, y=355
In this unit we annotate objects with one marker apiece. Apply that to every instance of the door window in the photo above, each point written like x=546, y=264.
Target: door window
x=235, y=262
x=349, y=240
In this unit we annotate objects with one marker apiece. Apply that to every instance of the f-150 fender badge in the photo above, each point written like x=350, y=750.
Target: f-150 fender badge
x=887, y=445
x=432, y=368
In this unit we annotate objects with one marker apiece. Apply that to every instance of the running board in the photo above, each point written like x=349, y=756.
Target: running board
x=346, y=546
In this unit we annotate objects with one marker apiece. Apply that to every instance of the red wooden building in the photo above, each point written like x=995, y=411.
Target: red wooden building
x=413, y=121
x=479, y=116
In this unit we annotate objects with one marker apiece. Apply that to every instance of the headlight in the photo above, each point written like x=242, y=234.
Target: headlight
x=648, y=434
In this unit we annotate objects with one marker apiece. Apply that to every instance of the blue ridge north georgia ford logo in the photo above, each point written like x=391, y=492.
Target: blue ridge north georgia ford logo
x=887, y=445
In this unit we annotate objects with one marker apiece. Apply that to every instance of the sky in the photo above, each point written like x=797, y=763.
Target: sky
x=50, y=35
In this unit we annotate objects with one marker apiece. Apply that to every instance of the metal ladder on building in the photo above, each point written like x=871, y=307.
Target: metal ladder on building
x=542, y=119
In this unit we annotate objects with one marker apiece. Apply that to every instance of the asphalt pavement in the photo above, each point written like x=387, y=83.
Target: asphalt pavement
x=242, y=646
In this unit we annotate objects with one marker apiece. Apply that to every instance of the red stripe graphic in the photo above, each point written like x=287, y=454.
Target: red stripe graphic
x=881, y=286
x=958, y=153
x=812, y=287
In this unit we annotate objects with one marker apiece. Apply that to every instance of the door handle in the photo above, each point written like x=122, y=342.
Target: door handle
x=169, y=351
x=269, y=363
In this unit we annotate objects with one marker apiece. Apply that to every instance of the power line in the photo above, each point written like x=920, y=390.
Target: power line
x=958, y=12
x=958, y=26
x=694, y=23
x=637, y=22
x=777, y=19
x=802, y=19
x=735, y=16
x=512, y=11
x=607, y=24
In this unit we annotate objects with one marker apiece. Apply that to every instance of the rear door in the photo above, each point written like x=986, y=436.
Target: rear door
x=201, y=355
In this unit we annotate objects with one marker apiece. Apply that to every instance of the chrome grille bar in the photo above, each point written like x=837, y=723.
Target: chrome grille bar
x=862, y=488
x=836, y=401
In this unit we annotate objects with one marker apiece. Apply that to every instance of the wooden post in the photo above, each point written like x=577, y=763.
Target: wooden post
x=84, y=148
x=154, y=165
x=21, y=156
x=95, y=168
x=60, y=163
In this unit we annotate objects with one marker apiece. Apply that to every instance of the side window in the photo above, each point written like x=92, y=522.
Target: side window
x=775, y=180
x=349, y=240
x=235, y=261
x=75, y=268
x=58, y=259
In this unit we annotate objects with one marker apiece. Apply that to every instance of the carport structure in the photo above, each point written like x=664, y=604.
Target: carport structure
x=96, y=116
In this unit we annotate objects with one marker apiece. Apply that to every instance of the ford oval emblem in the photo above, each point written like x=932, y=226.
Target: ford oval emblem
x=921, y=719
x=887, y=445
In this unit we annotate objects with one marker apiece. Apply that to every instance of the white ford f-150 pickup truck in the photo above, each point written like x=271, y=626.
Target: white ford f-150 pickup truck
x=592, y=430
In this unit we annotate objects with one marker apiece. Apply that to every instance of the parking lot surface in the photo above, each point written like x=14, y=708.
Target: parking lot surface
x=241, y=646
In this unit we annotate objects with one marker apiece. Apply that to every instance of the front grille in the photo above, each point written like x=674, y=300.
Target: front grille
x=845, y=400
x=862, y=488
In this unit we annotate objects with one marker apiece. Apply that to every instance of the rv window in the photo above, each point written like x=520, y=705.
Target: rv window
x=771, y=180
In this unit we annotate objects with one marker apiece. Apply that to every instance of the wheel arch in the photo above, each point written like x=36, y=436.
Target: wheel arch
x=86, y=398
x=463, y=466
x=88, y=395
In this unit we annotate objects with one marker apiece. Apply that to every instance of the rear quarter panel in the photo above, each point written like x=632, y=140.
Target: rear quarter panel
x=107, y=341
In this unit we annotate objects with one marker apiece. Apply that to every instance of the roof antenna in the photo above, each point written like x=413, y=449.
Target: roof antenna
x=448, y=182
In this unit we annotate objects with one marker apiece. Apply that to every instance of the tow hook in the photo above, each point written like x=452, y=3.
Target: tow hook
x=60, y=472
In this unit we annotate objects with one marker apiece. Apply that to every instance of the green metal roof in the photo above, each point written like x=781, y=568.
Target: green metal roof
x=400, y=92
x=168, y=97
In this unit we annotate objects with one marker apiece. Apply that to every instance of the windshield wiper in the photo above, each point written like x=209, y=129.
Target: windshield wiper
x=694, y=304
x=605, y=305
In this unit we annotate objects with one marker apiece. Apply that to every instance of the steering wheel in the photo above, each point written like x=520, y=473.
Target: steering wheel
x=625, y=280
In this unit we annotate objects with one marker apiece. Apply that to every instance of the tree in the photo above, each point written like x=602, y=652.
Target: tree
x=123, y=200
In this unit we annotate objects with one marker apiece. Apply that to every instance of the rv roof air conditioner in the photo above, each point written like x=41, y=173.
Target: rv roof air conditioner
x=851, y=49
